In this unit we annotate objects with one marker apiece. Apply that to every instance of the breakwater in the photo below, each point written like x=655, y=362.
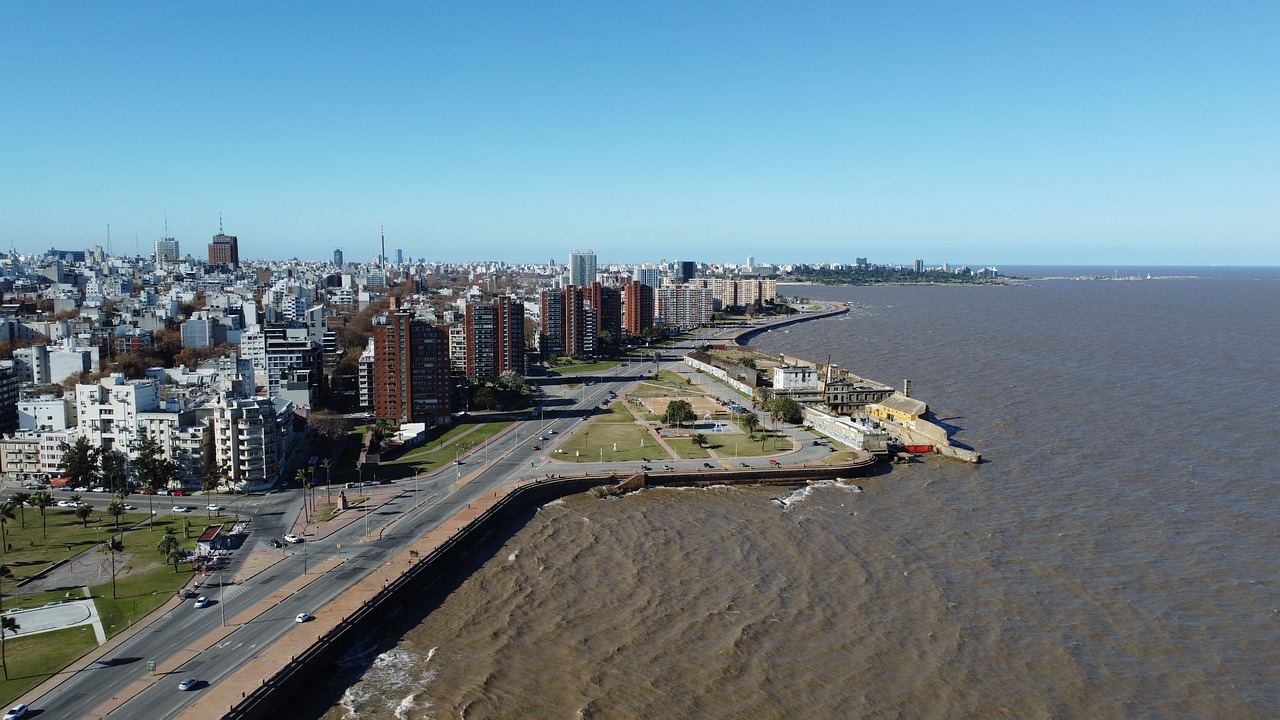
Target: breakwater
x=434, y=560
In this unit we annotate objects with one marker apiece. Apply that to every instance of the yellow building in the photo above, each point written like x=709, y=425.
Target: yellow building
x=899, y=408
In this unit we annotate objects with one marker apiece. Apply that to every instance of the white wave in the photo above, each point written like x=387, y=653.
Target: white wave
x=406, y=705
x=510, y=558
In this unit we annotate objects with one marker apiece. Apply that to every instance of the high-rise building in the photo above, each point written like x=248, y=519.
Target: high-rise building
x=411, y=381
x=686, y=270
x=552, y=341
x=337, y=257
x=224, y=250
x=683, y=306
x=582, y=268
x=638, y=305
x=607, y=304
x=919, y=265
x=495, y=338
x=649, y=275
x=166, y=250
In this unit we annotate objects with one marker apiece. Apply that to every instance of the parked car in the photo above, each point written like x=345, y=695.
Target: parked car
x=292, y=539
x=188, y=684
x=17, y=711
x=98, y=489
x=304, y=617
x=202, y=602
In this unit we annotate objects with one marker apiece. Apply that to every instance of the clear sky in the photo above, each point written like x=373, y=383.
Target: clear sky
x=982, y=133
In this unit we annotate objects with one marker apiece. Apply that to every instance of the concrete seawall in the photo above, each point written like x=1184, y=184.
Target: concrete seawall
x=746, y=336
x=294, y=663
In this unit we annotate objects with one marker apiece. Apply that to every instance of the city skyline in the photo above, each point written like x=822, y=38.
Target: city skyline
x=1003, y=135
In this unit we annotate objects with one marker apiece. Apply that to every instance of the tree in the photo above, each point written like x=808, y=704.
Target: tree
x=6, y=514
x=154, y=470
x=80, y=462
x=303, y=482
x=7, y=623
x=328, y=476
x=786, y=410
x=748, y=362
x=115, y=469
x=700, y=440
x=21, y=500
x=678, y=413
x=170, y=548
x=115, y=509
x=83, y=512
x=112, y=546
x=749, y=421
x=42, y=500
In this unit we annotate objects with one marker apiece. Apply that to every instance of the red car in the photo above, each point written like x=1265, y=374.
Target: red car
x=537, y=447
x=774, y=463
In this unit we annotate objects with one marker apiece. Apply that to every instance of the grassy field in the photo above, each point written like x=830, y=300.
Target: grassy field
x=143, y=583
x=577, y=368
x=667, y=383
x=614, y=427
x=31, y=660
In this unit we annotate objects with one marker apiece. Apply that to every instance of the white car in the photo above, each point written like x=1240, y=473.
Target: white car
x=292, y=539
x=98, y=489
x=129, y=507
x=66, y=503
x=202, y=602
x=215, y=508
x=181, y=509
x=188, y=684
x=17, y=711
x=304, y=617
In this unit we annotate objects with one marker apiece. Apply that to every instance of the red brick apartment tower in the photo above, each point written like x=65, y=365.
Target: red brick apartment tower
x=410, y=369
x=638, y=301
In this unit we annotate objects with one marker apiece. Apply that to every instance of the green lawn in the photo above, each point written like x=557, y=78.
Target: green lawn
x=667, y=383
x=577, y=368
x=442, y=450
x=33, y=659
x=685, y=448
x=614, y=426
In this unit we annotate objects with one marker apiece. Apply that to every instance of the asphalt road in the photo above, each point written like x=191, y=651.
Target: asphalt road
x=508, y=460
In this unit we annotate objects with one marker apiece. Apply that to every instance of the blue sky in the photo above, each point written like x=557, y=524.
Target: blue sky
x=981, y=133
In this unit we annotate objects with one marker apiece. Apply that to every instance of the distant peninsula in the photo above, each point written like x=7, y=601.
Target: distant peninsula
x=886, y=275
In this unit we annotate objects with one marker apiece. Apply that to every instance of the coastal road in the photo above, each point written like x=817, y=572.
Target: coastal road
x=212, y=642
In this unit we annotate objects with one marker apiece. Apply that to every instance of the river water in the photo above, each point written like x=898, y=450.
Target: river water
x=1115, y=555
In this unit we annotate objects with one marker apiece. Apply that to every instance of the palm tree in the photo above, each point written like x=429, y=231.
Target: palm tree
x=170, y=547
x=7, y=624
x=6, y=514
x=749, y=423
x=112, y=546
x=700, y=440
x=22, y=499
x=301, y=477
x=115, y=509
x=43, y=500
x=83, y=512
x=328, y=476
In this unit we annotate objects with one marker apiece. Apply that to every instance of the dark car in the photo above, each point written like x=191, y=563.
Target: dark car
x=708, y=465
x=645, y=467
x=275, y=543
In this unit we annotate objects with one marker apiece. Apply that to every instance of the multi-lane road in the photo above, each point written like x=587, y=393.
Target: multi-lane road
x=121, y=685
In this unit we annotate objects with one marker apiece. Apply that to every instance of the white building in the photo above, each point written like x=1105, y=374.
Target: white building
x=789, y=379
x=683, y=306
x=248, y=440
x=107, y=413
x=45, y=413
